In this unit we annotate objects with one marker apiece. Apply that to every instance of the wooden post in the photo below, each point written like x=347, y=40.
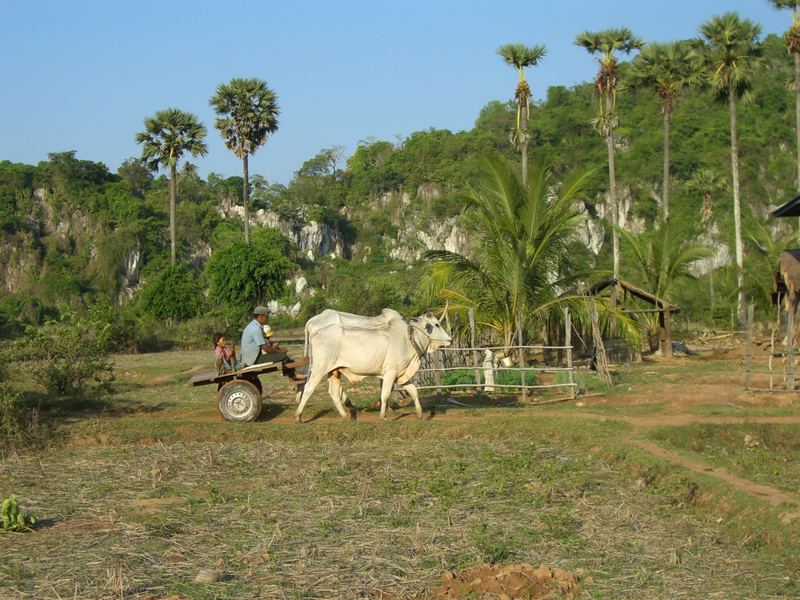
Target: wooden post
x=474, y=351
x=748, y=360
x=668, y=330
x=437, y=374
x=568, y=344
x=522, y=373
x=790, y=344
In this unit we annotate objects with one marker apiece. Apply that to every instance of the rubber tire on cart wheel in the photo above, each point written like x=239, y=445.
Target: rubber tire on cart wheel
x=239, y=401
x=256, y=382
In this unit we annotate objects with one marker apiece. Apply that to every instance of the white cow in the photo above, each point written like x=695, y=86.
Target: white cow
x=392, y=351
x=336, y=317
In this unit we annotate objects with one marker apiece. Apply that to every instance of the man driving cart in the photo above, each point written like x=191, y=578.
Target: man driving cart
x=256, y=348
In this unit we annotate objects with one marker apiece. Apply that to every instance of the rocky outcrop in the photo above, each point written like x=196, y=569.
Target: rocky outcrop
x=633, y=224
x=19, y=258
x=590, y=231
x=313, y=239
x=414, y=240
x=721, y=256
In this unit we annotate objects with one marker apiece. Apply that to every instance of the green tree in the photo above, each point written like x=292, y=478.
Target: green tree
x=242, y=276
x=662, y=260
x=792, y=40
x=607, y=43
x=523, y=241
x=732, y=51
x=520, y=56
x=667, y=69
x=708, y=183
x=168, y=135
x=172, y=294
x=247, y=112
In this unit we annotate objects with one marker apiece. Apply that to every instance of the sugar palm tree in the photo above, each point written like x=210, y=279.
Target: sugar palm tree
x=247, y=112
x=792, y=40
x=168, y=136
x=708, y=183
x=607, y=44
x=732, y=51
x=667, y=69
x=520, y=57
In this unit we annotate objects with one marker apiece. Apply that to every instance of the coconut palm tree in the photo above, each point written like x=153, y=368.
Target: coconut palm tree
x=732, y=51
x=513, y=273
x=168, y=136
x=663, y=259
x=521, y=56
x=607, y=44
x=667, y=69
x=247, y=112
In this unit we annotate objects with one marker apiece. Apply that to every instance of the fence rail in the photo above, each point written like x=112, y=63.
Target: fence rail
x=487, y=373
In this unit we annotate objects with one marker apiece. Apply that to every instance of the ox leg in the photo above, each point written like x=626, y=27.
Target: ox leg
x=412, y=391
x=336, y=392
x=312, y=382
x=386, y=391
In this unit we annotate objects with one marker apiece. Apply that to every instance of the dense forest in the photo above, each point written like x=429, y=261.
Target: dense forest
x=352, y=234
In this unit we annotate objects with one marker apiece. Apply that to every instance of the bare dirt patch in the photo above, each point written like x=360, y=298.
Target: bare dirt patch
x=507, y=582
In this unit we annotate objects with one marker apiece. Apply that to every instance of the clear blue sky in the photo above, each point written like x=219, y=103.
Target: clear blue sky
x=82, y=75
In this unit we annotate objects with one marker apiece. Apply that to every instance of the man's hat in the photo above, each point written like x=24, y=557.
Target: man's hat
x=261, y=310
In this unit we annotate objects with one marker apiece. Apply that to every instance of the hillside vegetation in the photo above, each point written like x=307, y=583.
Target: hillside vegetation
x=72, y=232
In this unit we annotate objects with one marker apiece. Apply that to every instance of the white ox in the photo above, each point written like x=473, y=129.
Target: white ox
x=392, y=351
x=336, y=317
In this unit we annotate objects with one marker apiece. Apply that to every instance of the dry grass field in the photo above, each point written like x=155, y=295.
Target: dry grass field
x=677, y=483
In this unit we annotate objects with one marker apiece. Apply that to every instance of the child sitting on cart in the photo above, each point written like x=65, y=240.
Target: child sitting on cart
x=224, y=357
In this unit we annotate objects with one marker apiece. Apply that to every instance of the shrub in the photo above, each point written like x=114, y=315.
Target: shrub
x=19, y=424
x=11, y=518
x=69, y=356
x=501, y=378
x=172, y=294
x=242, y=276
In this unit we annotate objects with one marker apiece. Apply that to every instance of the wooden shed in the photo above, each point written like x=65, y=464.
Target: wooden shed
x=664, y=309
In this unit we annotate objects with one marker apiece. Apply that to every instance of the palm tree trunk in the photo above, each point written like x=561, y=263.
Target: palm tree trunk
x=246, y=200
x=665, y=198
x=737, y=211
x=612, y=193
x=172, y=201
x=797, y=121
x=523, y=124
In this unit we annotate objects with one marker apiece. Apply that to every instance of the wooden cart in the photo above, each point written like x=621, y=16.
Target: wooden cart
x=239, y=393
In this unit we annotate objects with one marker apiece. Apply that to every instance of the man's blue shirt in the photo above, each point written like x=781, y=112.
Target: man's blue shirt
x=252, y=340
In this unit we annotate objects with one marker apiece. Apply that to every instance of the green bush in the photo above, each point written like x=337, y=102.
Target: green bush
x=69, y=356
x=172, y=294
x=501, y=378
x=11, y=518
x=20, y=426
x=242, y=276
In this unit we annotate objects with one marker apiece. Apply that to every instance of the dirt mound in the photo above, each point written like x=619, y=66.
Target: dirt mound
x=508, y=582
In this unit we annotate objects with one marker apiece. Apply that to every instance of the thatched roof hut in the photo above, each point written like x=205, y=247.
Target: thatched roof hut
x=664, y=309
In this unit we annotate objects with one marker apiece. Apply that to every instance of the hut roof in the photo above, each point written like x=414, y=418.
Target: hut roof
x=634, y=291
x=790, y=209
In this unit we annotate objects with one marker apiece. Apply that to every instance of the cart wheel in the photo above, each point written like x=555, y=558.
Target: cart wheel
x=256, y=382
x=239, y=401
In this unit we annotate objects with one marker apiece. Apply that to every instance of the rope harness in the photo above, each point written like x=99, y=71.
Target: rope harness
x=420, y=351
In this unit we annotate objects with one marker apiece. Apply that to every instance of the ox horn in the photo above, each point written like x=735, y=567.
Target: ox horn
x=446, y=307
